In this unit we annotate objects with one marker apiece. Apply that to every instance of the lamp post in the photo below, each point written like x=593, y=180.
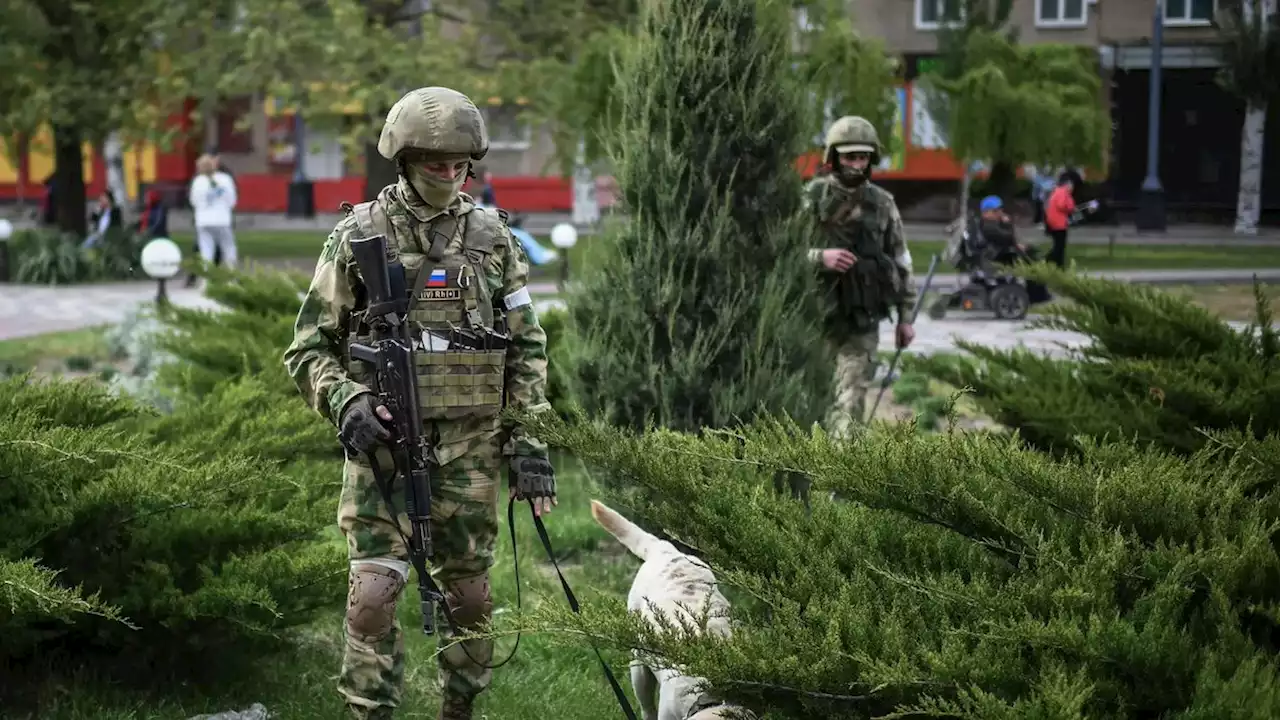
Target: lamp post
x=564, y=236
x=161, y=259
x=1151, y=201
x=6, y=232
x=302, y=200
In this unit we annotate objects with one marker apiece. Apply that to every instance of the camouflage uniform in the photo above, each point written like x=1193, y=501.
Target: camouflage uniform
x=860, y=217
x=461, y=395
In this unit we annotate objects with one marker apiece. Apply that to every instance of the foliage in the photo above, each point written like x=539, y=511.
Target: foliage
x=847, y=73
x=194, y=548
x=701, y=309
x=1156, y=369
x=56, y=258
x=1250, y=52
x=966, y=576
x=560, y=340
x=1015, y=104
x=243, y=337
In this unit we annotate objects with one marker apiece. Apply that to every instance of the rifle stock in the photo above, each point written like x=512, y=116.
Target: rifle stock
x=390, y=355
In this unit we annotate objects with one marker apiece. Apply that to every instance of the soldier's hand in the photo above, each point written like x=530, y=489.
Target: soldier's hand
x=533, y=479
x=362, y=425
x=905, y=335
x=837, y=259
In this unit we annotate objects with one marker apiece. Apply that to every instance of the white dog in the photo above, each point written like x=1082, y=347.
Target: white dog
x=678, y=586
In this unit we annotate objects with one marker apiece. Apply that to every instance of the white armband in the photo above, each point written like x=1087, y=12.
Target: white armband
x=518, y=299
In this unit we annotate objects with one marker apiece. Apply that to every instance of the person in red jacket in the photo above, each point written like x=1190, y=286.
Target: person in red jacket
x=1057, y=216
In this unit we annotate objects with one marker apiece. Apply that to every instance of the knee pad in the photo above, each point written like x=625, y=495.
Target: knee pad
x=371, y=601
x=469, y=600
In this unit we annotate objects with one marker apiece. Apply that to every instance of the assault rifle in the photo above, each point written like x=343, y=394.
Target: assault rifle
x=390, y=352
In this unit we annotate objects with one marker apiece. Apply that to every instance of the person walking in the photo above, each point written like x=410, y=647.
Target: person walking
x=865, y=264
x=477, y=284
x=1057, y=217
x=213, y=200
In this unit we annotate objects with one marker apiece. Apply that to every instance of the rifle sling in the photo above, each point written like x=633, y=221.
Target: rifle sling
x=441, y=230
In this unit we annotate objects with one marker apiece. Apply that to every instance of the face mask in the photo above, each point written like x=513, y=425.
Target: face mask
x=435, y=191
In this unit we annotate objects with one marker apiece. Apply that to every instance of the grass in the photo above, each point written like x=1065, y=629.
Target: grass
x=1133, y=257
x=544, y=680
x=305, y=246
x=75, y=350
x=1230, y=302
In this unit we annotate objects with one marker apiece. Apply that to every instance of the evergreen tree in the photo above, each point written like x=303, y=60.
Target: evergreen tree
x=966, y=577
x=702, y=308
x=1157, y=368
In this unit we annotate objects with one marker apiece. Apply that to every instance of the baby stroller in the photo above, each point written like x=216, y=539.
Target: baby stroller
x=988, y=285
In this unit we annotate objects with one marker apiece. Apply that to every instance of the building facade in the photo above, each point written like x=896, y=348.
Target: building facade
x=1199, y=149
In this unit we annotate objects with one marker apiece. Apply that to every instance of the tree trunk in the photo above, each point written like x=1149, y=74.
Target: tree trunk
x=68, y=179
x=113, y=154
x=1002, y=180
x=1249, y=198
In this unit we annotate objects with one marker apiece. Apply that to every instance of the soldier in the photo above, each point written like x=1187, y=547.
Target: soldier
x=433, y=135
x=866, y=266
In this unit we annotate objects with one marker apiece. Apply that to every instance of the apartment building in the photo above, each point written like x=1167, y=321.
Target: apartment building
x=1200, y=122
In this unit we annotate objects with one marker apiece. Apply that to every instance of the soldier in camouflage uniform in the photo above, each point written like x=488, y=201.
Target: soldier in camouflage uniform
x=866, y=268
x=433, y=135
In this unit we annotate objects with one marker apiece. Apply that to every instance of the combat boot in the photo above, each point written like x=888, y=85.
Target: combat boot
x=456, y=707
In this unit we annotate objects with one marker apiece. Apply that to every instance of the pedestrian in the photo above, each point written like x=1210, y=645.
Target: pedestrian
x=432, y=135
x=1057, y=216
x=865, y=261
x=105, y=215
x=487, y=196
x=153, y=221
x=213, y=200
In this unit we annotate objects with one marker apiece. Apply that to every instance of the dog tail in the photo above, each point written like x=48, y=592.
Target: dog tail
x=632, y=536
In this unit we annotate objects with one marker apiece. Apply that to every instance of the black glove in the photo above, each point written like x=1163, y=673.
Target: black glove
x=360, y=429
x=532, y=478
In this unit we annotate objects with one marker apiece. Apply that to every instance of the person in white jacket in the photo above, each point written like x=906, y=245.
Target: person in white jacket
x=213, y=198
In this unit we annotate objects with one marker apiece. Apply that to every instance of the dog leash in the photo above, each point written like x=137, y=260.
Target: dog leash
x=420, y=566
x=573, y=600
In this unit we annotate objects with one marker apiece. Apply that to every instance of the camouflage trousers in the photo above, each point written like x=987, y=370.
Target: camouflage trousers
x=855, y=371
x=464, y=526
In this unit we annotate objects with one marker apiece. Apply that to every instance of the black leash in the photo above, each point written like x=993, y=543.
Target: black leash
x=419, y=565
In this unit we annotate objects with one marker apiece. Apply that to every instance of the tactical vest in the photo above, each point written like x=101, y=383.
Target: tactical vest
x=860, y=298
x=454, y=382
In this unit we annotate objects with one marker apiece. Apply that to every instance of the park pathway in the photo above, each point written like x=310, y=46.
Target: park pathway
x=29, y=310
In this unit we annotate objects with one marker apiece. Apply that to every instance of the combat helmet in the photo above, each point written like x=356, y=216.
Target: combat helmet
x=852, y=133
x=434, y=120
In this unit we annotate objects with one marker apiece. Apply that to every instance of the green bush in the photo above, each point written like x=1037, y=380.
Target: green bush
x=967, y=576
x=56, y=258
x=1157, y=368
x=196, y=540
x=246, y=336
x=560, y=348
x=701, y=309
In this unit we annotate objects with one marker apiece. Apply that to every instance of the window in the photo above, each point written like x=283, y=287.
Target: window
x=1189, y=12
x=1061, y=13
x=930, y=14
x=507, y=130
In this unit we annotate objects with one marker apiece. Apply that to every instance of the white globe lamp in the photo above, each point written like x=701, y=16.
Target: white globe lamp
x=161, y=259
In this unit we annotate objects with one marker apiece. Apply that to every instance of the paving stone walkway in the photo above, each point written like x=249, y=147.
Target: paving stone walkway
x=27, y=310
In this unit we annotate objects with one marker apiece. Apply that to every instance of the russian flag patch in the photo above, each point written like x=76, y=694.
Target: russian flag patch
x=437, y=278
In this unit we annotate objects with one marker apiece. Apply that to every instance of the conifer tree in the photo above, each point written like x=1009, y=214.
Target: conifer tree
x=1156, y=368
x=701, y=310
x=967, y=577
